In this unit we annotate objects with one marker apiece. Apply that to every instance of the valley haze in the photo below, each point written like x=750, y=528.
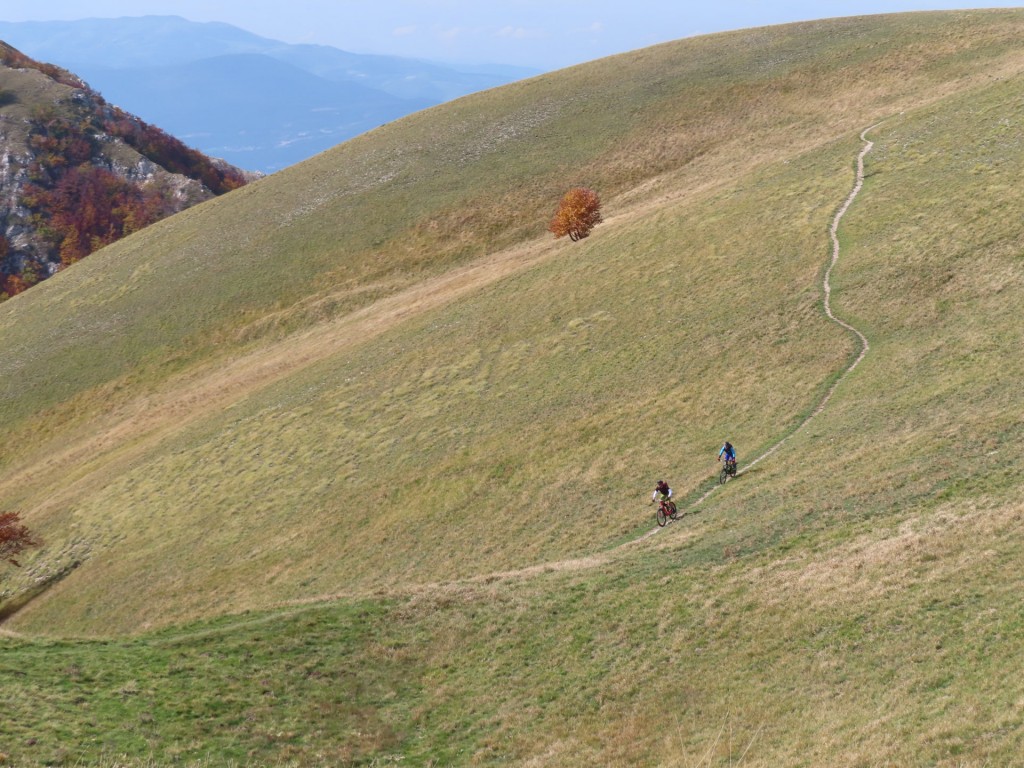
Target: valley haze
x=255, y=102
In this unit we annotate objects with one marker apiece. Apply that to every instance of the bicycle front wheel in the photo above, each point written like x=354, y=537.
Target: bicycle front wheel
x=662, y=519
x=723, y=476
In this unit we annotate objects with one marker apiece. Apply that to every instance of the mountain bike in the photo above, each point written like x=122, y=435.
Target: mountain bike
x=667, y=511
x=728, y=470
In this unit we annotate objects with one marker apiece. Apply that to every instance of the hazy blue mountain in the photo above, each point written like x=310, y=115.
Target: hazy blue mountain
x=258, y=103
x=129, y=41
x=250, y=109
x=407, y=78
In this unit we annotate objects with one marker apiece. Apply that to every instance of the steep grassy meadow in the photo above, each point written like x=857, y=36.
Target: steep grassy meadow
x=413, y=470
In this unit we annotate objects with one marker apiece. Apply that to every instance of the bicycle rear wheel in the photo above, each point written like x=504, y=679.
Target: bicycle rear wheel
x=673, y=510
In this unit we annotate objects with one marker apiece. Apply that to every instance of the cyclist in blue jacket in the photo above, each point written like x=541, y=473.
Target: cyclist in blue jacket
x=729, y=452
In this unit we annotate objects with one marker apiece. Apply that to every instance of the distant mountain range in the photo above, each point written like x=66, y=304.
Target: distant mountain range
x=258, y=103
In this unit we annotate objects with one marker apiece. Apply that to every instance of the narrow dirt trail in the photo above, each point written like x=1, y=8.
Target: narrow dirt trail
x=833, y=234
x=181, y=405
x=862, y=340
x=858, y=184
x=596, y=560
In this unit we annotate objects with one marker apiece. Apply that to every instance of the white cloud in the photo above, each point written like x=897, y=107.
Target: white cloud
x=520, y=33
x=404, y=31
x=451, y=34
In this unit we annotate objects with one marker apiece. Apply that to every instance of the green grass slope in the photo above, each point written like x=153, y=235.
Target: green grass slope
x=451, y=447
x=218, y=432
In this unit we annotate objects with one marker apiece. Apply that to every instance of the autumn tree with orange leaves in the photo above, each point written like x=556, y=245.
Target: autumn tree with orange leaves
x=577, y=214
x=15, y=538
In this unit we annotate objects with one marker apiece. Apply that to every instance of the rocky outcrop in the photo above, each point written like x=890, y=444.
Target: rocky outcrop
x=77, y=173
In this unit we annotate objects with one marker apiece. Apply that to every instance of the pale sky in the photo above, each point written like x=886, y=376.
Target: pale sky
x=544, y=34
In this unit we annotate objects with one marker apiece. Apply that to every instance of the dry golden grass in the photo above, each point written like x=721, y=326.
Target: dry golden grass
x=458, y=450
x=432, y=388
x=689, y=229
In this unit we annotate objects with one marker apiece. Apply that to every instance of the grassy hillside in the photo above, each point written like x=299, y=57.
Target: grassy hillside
x=384, y=392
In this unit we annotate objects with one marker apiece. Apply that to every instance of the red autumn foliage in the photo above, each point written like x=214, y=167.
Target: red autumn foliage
x=169, y=152
x=89, y=207
x=13, y=285
x=578, y=212
x=15, y=538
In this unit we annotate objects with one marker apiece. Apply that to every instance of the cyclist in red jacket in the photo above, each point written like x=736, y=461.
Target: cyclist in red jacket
x=661, y=492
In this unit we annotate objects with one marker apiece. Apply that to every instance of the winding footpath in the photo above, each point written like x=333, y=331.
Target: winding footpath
x=833, y=233
x=595, y=560
x=598, y=559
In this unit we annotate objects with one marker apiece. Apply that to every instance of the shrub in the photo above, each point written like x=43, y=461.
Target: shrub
x=14, y=537
x=578, y=212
